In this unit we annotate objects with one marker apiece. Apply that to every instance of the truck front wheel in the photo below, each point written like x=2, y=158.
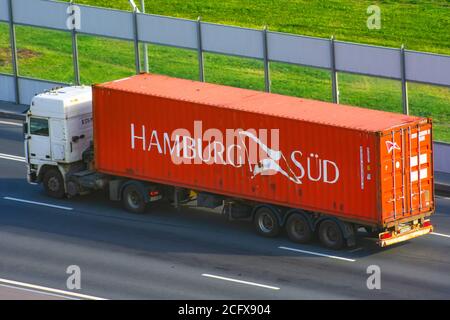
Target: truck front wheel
x=133, y=199
x=330, y=234
x=54, y=183
x=266, y=222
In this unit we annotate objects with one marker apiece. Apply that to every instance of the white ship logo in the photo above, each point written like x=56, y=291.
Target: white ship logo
x=270, y=165
x=390, y=145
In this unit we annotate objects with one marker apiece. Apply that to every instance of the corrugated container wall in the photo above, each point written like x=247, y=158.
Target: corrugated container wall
x=312, y=155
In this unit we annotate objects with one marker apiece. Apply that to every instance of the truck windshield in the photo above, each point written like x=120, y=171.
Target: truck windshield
x=39, y=126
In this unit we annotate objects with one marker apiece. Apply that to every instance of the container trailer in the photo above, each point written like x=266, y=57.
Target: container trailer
x=311, y=168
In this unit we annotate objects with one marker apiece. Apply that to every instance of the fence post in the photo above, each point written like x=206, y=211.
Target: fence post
x=334, y=75
x=405, y=102
x=266, y=61
x=12, y=39
x=201, y=68
x=137, y=58
x=144, y=45
x=76, y=68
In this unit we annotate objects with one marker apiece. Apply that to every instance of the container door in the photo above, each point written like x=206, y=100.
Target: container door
x=420, y=171
x=407, y=172
x=394, y=182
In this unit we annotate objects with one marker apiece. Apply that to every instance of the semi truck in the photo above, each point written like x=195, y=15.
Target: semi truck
x=312, y=169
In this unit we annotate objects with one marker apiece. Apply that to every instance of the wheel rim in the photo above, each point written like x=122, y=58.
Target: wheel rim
x=133, y=199
x=298, y=227
x=53, y=184
x=332, y=234
x=266, y=222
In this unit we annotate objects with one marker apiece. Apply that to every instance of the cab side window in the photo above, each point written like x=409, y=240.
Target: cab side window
x=39, y=126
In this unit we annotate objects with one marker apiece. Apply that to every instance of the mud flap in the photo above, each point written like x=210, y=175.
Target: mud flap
x=348, y=230
x=349, y=233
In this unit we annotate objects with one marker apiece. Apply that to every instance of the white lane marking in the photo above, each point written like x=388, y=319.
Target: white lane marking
x=442, y=197
x=38, y=203
x=441, y=234
x=240, y=281
x=317, y=254
x=11, y=123
x=39, y=292
x=46, y=289
x=12, y=157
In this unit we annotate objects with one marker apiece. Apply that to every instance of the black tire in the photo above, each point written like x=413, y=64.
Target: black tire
x=298, y=228
x=330, y=235
x=266, y=222
x=133, y=199
x=54, y=183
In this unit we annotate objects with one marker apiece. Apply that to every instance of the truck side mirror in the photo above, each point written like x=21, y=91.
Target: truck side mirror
x=25, y=128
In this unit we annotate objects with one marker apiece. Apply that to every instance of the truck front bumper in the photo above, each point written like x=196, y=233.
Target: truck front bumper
x=390, y=237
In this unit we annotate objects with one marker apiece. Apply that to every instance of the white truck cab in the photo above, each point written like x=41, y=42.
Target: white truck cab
x=58, y=130
x=59, y=150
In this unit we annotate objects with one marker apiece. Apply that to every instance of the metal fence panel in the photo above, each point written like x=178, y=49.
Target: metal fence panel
x=28, y=88
x=41, y=13
x=232, y=40
x=314, y=52
x=368, y=60
x=4, y=11
x=167, y=31
x=441, y=156
x=7, y=88
x=301, y=50
x=106, y=22
x=428, y=68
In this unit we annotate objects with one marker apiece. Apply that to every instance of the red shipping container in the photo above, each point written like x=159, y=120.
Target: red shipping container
x=361, y=165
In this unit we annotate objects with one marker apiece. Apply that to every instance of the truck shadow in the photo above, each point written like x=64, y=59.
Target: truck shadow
x=162, y=229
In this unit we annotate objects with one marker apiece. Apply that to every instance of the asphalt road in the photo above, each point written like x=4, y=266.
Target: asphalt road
x=190, y=253
x=14, y=293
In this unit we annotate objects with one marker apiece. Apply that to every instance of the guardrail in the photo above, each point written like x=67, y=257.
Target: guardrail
x=268, y=46
x=27, y=88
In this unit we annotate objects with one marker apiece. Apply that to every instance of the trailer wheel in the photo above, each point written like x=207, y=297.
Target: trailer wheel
x=53, y=183
x=298, y=228
x=266, y=222
x=133, y=199
x=330, y=234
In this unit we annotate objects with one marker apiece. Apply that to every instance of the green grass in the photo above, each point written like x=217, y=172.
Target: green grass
x=5, y=50
x=421, y=25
